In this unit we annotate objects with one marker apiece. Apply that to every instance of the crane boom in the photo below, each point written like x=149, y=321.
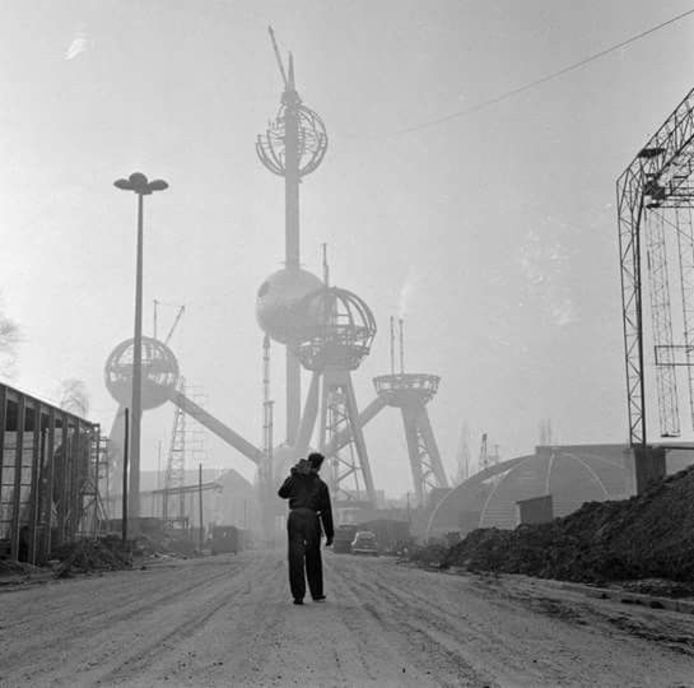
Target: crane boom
x=181, y=310
x=277, y=55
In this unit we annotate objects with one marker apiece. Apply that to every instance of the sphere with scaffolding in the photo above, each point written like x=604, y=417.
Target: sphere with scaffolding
x=311, y=138
x=344, y=333
x=280, y=307
x=159, y=372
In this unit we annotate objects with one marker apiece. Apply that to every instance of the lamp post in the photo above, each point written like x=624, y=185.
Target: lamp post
x=139, y=184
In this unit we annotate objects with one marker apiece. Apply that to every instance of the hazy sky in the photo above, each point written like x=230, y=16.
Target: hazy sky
x=493, y=234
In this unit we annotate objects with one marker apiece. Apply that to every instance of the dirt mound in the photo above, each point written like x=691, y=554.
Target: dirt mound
x=648, y=536
x=10, y=567
x=428, y=555
x=103, y=554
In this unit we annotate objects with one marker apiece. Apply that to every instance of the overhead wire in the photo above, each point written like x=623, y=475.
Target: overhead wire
x=542, y=80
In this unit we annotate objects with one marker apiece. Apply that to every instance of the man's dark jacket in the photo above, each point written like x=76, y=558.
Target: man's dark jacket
x=308, y=491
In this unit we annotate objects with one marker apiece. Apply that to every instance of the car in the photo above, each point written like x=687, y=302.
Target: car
x=344, y=534
x=365, y=543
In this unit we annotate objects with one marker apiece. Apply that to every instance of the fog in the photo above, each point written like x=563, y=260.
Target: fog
x=491, y=231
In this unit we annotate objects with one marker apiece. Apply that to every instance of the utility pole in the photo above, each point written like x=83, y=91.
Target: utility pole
x=126, y=443
x=202, y=525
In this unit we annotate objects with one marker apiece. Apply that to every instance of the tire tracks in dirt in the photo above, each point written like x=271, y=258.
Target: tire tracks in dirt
x=229, y=621
x=108, y=628
x=429, y=657
x=106, y=612
x=496, y=635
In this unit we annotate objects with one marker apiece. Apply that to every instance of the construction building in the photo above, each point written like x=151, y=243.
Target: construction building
x=49, y=474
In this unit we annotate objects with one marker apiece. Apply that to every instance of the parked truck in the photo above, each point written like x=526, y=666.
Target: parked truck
x=226, y=539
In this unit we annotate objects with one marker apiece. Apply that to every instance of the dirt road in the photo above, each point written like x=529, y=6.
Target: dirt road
x=228, y=621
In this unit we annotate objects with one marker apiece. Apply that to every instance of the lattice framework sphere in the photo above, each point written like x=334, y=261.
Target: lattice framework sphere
x=159, y=372
x=344, y=333
x=312, y=141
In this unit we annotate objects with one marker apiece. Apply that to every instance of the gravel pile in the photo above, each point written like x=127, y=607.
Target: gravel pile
x=648, y=536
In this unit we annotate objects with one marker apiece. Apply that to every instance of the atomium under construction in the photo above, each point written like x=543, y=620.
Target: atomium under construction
x=326, y=330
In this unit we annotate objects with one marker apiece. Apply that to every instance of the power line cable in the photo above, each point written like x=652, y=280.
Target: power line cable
x=537, y=82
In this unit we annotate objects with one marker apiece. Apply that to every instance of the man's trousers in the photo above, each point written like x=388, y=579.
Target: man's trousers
x=304, y=533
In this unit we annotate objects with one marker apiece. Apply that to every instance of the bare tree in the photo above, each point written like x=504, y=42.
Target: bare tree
x=74, y=397
x=9, y=338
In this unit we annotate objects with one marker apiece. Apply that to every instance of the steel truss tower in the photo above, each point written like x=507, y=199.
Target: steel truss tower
x=655, y=195
x=334, y=350
x=350, y=473
x=292, y=147
x=411, y=392
x=266, y=487
x=344, y=439
x=685, y=240
x=174, y=479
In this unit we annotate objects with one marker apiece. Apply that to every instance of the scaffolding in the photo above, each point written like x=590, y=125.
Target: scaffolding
x=655, y=195
x=187, y=448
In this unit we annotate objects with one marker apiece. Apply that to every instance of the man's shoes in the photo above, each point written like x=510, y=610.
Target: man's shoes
x=298, y=601
x=320, y=598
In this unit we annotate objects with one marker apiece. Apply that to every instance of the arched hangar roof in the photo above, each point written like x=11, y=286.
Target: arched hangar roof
x=572, y=474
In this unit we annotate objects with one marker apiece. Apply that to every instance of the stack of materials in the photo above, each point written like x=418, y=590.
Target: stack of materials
x=648, y=536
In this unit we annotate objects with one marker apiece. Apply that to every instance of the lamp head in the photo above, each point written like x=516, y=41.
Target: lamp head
x=158, y=185
x=139, y=183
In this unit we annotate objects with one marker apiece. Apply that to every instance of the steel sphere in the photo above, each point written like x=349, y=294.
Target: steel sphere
x=159, y=373
x=343, y=331
x=277, y=304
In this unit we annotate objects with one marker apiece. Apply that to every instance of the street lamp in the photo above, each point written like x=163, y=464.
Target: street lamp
x=138, y=183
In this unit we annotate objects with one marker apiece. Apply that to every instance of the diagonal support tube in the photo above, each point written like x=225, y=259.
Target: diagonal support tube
x=308, y=419
x=224, y=432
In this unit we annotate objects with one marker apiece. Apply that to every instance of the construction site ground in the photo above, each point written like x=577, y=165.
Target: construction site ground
x=228, y=621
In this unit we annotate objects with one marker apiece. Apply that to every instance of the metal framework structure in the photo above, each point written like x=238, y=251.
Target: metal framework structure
x=292, y=147
x=411, y=392
x=49, y=468
x=487, y=458
x=685, y=246
x=160, y=376
x=334, y=350
x=661, y=318
x=408, y=391
x=161, y=383
x=350, y=475
x=654, y=197
x=175, y=475
x=266, y=486
x=94, y=506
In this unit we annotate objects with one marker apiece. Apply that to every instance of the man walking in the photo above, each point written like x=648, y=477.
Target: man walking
x=309, y=505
